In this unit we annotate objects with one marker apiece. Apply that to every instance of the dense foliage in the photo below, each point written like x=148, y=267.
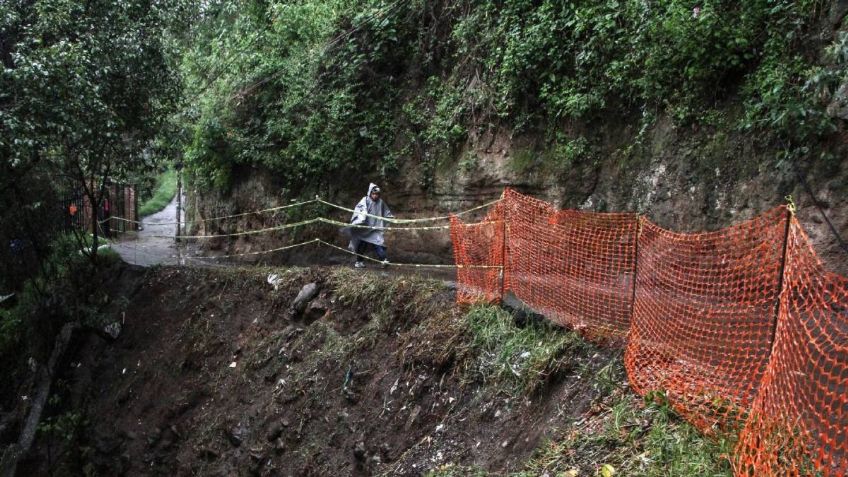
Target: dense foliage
x=163, y=190
x=87, y=90
x=320, y=88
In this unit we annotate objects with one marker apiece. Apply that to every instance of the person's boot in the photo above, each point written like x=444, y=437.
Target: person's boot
x=359, y=264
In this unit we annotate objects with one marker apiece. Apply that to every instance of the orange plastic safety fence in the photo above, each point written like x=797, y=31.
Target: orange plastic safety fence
x=704, y=316
x=576, y=267
x=799, y=421
x=738, y=327
x=478, y=252
x=519, y=212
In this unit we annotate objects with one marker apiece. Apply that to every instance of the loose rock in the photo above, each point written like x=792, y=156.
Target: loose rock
x=275, y=430
x=316, y=309
x=236, y=435
x=307, y=293
x=359, y=450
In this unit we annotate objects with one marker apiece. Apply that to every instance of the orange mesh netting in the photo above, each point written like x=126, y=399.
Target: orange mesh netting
x=799, y=421
x=520, y=212
x=478, y=252
x=576, y=267
x=704, y=316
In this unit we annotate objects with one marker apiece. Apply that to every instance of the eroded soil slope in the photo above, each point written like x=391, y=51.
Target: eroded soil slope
x=217, y=373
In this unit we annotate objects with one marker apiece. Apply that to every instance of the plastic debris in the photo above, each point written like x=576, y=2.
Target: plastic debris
x=113, y=330
x=274, y=280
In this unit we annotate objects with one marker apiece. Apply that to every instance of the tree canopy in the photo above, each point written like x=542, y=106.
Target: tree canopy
x=321, y=88
x=86, y=89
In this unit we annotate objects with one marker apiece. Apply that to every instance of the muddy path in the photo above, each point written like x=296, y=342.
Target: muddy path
x=153, y=245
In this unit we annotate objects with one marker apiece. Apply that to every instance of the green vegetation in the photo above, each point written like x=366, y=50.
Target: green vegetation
x=324, y=88
x=621, y=434
x=318, y=90
x=494, y=350
x=518, y=358
x=88, y=91
x=560, y=158
x=410, y=296
x=87, y=94
x=65, y=289
x=163, y=192
x=635, y=438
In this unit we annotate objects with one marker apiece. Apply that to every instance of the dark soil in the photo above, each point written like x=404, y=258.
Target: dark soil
x=213, y=374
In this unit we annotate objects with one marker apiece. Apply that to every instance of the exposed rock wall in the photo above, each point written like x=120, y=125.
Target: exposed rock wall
x=686, y=179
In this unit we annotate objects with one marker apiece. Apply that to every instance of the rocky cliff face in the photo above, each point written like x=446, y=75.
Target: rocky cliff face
x=685, y=179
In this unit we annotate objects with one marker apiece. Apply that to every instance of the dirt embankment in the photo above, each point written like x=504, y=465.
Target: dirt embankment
x=216, y=373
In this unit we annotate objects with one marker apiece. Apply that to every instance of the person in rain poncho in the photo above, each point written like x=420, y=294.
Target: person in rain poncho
x=369, y=212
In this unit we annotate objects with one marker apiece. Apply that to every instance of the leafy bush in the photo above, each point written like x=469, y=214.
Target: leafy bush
x=784, y=95
x=68, y=288
x=330, y=88
x=166, y=188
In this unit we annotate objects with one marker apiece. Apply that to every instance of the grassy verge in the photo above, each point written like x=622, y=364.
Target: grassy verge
x=166, y=187
x=620, y=434
x=105, y=254
x=519, y=358
x=631, y=437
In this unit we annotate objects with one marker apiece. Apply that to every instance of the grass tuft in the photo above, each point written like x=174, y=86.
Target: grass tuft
x=521, y=358
x=394, y=299
x=635, y=438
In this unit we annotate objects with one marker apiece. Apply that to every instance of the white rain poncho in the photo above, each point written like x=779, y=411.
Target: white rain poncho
x=375, y=208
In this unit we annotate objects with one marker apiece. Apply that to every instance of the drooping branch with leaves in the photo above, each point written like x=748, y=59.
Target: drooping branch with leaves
x=85, y=91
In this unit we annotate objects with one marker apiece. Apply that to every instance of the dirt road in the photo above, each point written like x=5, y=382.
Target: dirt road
x=149, y=246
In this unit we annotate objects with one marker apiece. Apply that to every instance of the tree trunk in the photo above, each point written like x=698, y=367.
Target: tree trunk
x=94, y=226
x=10, y=456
